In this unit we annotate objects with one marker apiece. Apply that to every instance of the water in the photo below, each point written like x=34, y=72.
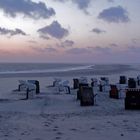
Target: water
x=40, y=67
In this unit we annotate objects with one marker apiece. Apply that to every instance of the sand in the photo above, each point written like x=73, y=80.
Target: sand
x=51, y=116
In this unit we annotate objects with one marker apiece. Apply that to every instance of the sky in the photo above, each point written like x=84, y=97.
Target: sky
x=70, y=31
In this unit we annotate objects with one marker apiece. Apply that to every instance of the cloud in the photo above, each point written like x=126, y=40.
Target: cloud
x=61, y=0
x=113, y=45
x=67, y=43
x=135, y=40
x=110, y=0
x=4, y=31
x=98, y=31
x=134, y=48
x=78, y=51
x=43, y=50
x=114, y=14
x=100, y=49
x=44, y=37
x=82, y=4
x=54, y=30
x=32, y=41
x=4, y=52
x=27, y=8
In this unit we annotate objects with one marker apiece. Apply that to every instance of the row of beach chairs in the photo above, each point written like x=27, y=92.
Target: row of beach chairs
x=129, y=89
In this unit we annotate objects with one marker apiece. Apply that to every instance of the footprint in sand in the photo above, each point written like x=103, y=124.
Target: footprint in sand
x=59, y=133
x=47, y=124
x=54, y=129
x=57, y=138
x=92, y=128
x=73, y=129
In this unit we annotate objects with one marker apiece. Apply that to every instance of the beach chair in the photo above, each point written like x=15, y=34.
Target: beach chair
x=87, y=96
x=75, y=83
x=94, y=85
x=61, y=86
x=104, y=84
x=28, y=87
x=117, y=91
x=132, y=83
x=114, y=92
x=138, y=80
x=123, y=80
x=132, y=100
x=36, y=84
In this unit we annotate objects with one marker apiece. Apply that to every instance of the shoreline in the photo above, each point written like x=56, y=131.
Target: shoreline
x=92, y=71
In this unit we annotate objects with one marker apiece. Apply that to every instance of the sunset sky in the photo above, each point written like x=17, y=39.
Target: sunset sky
x=97, y=31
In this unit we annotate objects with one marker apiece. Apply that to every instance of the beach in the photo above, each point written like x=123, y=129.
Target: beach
x=51, y=116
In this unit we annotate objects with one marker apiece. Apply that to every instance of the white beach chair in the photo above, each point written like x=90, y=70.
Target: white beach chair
x=105, y=84
x=94, y=85
x=122, y=90
x=28, y=87
x=61, y=86
x=83, y=80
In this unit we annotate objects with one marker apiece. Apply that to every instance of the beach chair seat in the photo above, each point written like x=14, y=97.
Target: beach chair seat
x=132, y=100
x=79, y=90
x=87, y=96
x=131, y=83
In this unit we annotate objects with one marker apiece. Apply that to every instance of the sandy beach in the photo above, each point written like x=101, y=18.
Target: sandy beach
x=50, y=116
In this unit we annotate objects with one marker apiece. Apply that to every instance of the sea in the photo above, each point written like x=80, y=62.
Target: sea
x=6, y=68
x=64, y=69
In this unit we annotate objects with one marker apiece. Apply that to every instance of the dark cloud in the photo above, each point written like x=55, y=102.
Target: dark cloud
x=54, y=30
x=82, y=4
x=27, y=8
x=78, y=51
x=98, y=31
x=114, y=14
x=4, y=31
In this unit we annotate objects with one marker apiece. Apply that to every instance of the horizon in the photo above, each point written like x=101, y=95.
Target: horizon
x=69, y=31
